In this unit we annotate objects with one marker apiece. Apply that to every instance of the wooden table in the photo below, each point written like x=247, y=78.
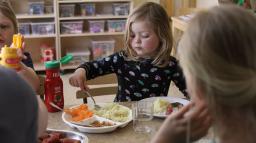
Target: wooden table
x=121, y=135
x=179, y=26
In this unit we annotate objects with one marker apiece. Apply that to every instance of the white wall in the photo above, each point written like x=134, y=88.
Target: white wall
x=206, y=3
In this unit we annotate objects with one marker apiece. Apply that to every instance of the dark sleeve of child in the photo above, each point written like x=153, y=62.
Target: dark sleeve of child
x=28, y=61
x=178, y=77
x=102, y=66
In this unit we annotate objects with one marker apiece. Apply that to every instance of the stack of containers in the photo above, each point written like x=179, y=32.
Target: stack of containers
x=70, y=27
x=42, y=28
x=37, y=7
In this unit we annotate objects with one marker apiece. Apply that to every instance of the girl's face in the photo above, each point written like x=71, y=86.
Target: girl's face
x=143, y=39
x=6, y=31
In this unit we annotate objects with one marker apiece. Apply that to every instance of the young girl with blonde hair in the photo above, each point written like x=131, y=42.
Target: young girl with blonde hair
x=144, y=68
x=218, y=56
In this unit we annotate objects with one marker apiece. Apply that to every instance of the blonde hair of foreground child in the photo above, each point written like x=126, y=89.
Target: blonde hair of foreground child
x=218, y=54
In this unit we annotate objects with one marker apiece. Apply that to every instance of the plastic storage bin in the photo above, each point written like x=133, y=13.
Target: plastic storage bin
x=24, y=28
x=36, y=7
x=49, y=9
x=67, y=10
x=80, y=57
x=121, y=8
x=96, y=26
x=43, y=28
x=71, y=27
x=87, y=9
x=102, y=49
x=116, y=25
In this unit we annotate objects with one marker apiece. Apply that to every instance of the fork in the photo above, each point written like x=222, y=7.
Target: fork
x=97, y=107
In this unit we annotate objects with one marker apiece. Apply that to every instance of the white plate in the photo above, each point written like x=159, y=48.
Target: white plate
x=103, y=129
x=71, y=134
x=167, y=98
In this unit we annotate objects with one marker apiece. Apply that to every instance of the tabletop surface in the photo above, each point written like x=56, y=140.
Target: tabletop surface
x=120, y=135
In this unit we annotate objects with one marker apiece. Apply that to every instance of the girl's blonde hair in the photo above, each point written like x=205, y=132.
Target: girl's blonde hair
x=218, y=51
x=7, y=11
x=156, y=15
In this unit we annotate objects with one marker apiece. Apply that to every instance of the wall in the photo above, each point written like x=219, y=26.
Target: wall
x=206, y=3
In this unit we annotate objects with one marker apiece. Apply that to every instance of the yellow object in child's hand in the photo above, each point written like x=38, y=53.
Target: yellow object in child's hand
x=9, y=58
x=17, y=40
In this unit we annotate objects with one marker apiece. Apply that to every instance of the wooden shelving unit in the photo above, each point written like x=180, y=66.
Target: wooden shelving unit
x=92, y=34
x=28, y=16
x=34, y=41
x=82, y=41
x=64, y=43
x=93, y=17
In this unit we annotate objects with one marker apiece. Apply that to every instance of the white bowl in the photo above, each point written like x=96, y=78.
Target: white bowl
x=104, y=129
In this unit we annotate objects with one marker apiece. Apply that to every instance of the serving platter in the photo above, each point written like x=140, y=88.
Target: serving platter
x=66, y=134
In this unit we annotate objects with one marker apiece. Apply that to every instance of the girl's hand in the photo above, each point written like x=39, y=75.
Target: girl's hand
x=21, y=50
x=78, y=79
x=176, y=126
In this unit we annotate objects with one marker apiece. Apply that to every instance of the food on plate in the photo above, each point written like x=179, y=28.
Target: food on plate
x=56, y=137
x=169, y=109
x=113, y=112
x=160, y=105
x=101, y=124
x=173, y=107
x=163, y=106
x=79, y=113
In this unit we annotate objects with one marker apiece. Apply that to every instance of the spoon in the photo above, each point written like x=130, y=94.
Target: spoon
x=97, y=107
x=55, y=106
